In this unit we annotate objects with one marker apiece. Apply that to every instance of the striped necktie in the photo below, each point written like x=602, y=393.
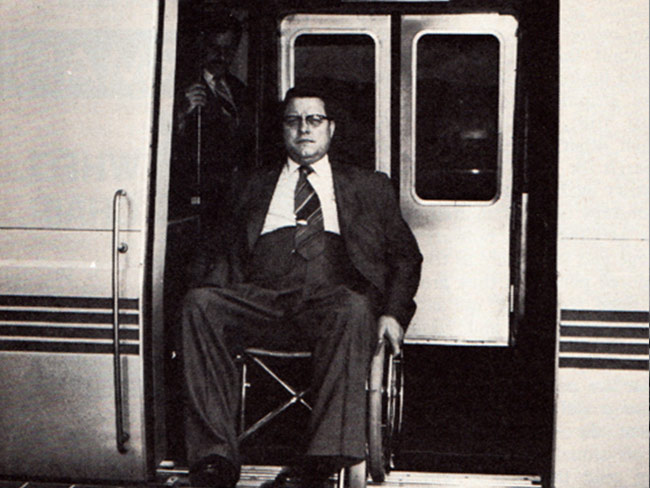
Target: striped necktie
x=228, y=107
x=309, y=239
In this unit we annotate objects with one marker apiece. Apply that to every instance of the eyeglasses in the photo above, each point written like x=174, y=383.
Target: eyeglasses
x=313, y=120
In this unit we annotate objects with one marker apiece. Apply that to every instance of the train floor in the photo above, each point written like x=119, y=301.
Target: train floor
x=254, y=476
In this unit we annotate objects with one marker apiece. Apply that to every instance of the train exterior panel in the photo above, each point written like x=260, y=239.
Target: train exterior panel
x=602, y=377
x=77, y=123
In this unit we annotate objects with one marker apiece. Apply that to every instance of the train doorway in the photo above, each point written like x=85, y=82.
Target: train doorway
x=435, y=101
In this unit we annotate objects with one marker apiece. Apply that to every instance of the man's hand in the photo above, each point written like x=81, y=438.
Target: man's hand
x=390, y=330
x=197, y=96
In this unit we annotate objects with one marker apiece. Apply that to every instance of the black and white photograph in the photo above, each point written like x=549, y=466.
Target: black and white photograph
x=324, y=244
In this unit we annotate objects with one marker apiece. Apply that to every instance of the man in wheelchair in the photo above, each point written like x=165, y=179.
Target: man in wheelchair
x=319, y=258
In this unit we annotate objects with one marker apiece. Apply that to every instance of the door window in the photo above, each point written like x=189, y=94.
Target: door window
x=457, y=102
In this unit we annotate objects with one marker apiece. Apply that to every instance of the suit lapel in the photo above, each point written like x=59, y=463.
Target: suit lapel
x=260, y=193
x=346, y=197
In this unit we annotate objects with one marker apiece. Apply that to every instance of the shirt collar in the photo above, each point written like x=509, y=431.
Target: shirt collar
x=321, y=167
x=213, y=81
x=208, y=77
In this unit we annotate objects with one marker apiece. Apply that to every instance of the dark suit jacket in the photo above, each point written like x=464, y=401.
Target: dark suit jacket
x=379, y=243
x=226, y=148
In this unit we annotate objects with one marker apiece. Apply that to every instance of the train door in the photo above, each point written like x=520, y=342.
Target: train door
x=457, y=108
x=457, y=86
x=78, y=130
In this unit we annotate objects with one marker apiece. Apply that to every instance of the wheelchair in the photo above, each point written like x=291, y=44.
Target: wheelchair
x=385, y=389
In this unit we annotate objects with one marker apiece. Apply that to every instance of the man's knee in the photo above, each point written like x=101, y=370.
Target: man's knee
x=357, y=313
x=201, y=308
x=204, y=300
x=204, y=321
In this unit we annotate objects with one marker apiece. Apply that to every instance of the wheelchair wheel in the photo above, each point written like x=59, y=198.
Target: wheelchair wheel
x=385, y=398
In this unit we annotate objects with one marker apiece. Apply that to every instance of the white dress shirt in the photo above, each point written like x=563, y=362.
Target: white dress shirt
x=280, y=213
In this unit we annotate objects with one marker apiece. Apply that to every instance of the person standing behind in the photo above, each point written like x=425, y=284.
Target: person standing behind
x=213, y=120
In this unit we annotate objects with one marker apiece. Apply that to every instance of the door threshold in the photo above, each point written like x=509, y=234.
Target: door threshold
x=252, y=476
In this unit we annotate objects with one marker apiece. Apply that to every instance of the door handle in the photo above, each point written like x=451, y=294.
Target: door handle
x=117, y=248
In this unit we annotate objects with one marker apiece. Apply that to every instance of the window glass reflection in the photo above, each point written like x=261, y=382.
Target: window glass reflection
x=345, y=65
x=457, y=105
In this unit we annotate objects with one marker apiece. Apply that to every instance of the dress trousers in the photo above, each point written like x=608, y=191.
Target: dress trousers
x=286, y=302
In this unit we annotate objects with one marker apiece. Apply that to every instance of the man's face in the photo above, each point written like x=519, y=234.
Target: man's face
x=218, y=52
x=306, y=138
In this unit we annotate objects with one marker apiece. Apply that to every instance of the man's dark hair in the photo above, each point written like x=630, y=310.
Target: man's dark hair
x=315, y=91
x=219, y=22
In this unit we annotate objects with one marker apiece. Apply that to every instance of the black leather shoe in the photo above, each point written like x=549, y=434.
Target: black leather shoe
x=214, y=472
x=289, y=479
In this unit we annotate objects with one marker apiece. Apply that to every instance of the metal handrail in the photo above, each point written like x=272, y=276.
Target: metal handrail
x=117, y=247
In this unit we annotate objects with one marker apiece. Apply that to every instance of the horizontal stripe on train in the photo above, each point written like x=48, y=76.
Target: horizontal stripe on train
x=603, y=347
x=66, y=347
x=604, y=339
x=66, y=332
x=605, y=316
x=67, y=324
x=608, y=340
x=590, y=331
x=66, y=302
x=591, y=355
x=583, y=323
x=598, y=363
x=67, y=317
